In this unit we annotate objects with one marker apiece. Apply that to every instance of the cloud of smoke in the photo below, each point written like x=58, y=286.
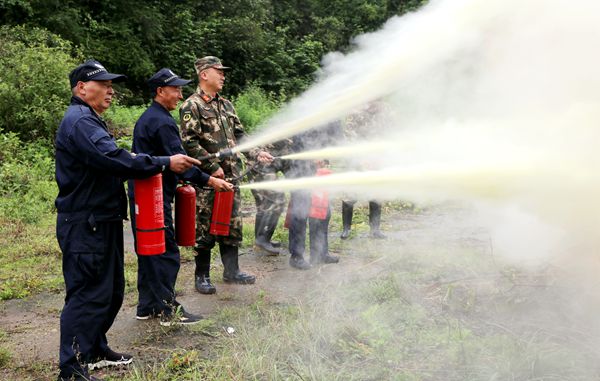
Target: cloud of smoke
x=494, y=102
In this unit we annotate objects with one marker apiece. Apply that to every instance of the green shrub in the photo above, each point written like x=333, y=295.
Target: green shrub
x=34, y=86
x=254, y=106
x=121, y=119
x=5, y=357
x=27, y=187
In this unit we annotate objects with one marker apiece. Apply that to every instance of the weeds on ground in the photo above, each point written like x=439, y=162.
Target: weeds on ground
x=29, y=259
x=402, y=313
x=5, y=355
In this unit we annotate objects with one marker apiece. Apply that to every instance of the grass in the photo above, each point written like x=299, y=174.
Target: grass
x=400, y=312
x=405, y=313
x=29, y=259
x=5, y=355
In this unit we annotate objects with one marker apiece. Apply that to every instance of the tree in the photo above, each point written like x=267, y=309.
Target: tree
x=34, y=85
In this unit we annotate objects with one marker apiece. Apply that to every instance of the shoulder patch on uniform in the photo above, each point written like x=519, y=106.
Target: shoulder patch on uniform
x=187, y=116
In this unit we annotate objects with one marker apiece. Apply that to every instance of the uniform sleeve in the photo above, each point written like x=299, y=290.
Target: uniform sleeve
x=97, y=149
x=196, y=176
x=169, y=139
x=168, y=136
x=191, y=131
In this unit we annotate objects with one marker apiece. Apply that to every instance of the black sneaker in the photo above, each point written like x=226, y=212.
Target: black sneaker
x=111, y=358
x=182, y=317
x=80, y=378
x=146, y=316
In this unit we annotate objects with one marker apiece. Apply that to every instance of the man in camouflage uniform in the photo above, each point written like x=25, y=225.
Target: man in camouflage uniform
x=358, y=126
x=269, y=203
x=209, y=124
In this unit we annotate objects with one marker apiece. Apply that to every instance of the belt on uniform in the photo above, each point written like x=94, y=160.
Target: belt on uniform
x=87, y=216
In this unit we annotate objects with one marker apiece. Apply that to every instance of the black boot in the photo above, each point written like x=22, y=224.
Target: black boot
x=231, y=272
x=326, y=258
x=265, y=232
x=347, y=211
x=257, y=223
x=202, y=272
x=272, y=226
x=375, y=220
x=298, y=262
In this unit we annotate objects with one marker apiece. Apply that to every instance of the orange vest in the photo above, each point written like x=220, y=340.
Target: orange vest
x=319, y=203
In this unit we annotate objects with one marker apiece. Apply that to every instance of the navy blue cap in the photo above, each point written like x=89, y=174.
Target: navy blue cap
x=166, y=77
x=92, y=70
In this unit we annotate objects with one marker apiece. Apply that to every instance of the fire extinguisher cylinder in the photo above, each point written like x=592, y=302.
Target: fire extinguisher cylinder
x=221, y=214
x=185, y=215
x=149, y=216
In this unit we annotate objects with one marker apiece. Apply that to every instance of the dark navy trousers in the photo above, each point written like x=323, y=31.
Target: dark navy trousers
x=317, y=229
x=95, y=284
x=157, y=274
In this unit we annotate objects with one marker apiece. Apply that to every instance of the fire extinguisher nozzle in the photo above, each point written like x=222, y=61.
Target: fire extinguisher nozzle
x=227, y=152
x=221, y=154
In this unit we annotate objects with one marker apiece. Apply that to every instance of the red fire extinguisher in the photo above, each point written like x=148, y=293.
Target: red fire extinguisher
x=288, y=215
x=149, y=217
x=185, y=215
x=319, y=203
x=221, y=215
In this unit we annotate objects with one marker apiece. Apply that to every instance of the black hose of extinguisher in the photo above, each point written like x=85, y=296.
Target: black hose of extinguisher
x=226, y=153
x=235, y=187
x=243, y=174
x=235, y=179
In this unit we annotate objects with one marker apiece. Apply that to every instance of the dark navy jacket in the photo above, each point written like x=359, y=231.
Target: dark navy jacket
x=156, y=134
x=90, y=168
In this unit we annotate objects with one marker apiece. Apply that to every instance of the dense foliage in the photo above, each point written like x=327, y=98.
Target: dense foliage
x=27, y=187
x=34, y=87
x=276, y=44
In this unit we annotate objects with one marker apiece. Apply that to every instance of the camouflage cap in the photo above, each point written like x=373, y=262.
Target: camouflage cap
x=208, y=62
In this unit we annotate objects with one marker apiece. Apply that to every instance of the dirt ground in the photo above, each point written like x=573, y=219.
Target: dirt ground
x=32, y=324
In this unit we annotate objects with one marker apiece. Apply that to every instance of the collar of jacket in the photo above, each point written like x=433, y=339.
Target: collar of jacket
x=157, y=105
x=205, y=97
x=75, y=100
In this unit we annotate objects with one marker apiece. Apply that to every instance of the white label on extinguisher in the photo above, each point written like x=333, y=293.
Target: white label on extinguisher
x=137, y=209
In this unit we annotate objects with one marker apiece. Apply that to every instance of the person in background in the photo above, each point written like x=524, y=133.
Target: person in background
x=209, y=124
x=91, y=206
x=270, y=204
x=156, y=133
x=360, y=125
x=300, y=203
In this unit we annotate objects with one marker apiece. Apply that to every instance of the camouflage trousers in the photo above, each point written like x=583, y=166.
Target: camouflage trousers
x=204, y=208
x=268, y=201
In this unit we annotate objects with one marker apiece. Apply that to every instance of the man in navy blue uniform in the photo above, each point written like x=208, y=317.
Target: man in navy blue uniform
x=156, y=134
x=91, y=205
